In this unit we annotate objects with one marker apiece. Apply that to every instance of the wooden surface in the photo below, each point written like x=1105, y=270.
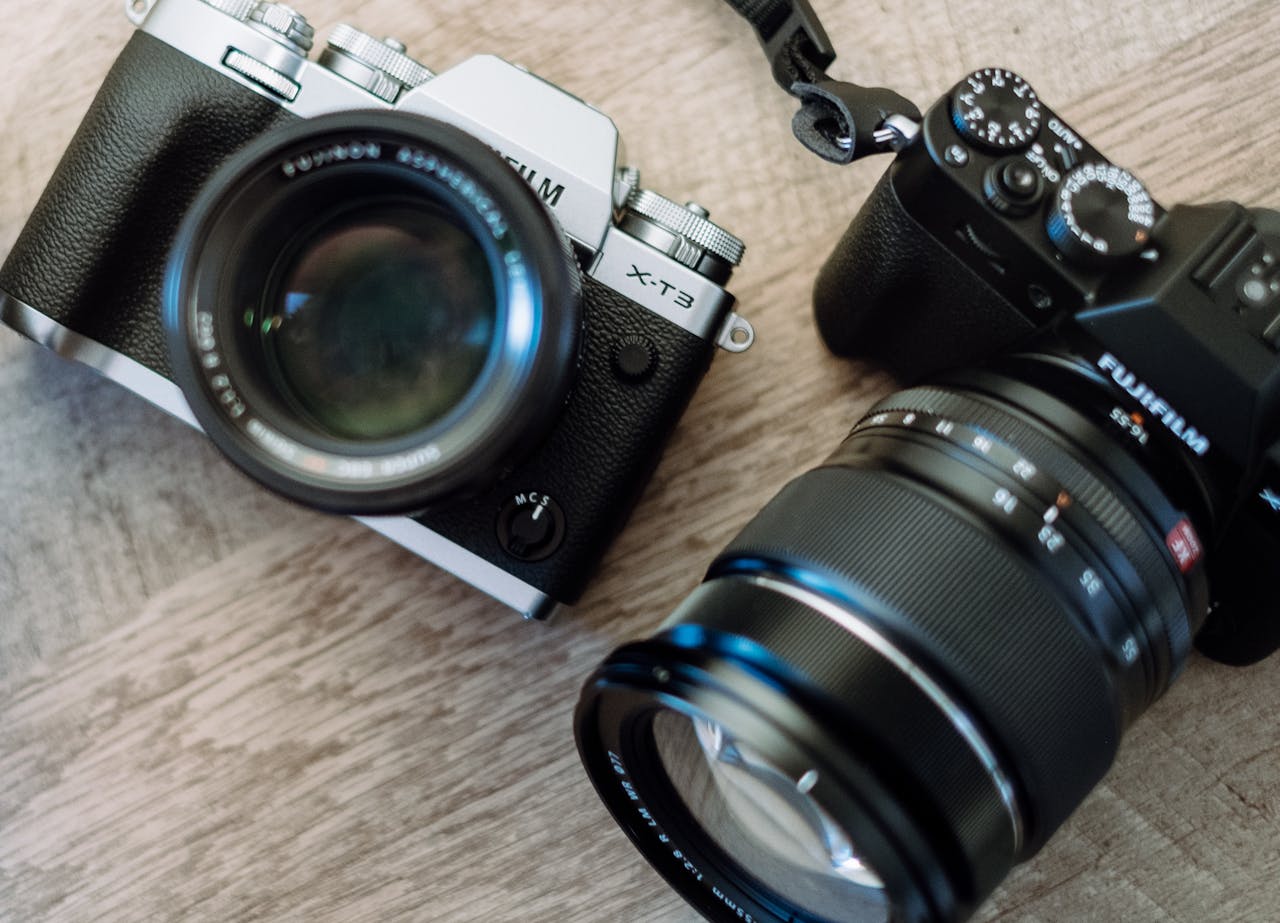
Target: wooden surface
x=217, y=706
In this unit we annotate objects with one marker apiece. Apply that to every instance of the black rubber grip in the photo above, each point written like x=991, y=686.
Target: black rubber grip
x=92, y=256
x=893, y=294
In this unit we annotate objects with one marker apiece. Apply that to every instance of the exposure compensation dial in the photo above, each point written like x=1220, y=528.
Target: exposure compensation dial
x=686, y=233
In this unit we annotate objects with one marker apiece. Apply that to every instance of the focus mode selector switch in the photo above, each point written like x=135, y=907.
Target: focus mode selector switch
x=530, y=526
x=1013, y=186
x=997, y=110
x=1102, y=214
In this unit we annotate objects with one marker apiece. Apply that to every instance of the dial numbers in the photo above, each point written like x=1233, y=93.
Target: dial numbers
x=1102, y=212
x=996, y=109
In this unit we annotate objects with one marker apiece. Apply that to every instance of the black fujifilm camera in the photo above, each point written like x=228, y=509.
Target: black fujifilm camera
x=379, y=290
x=909, y=669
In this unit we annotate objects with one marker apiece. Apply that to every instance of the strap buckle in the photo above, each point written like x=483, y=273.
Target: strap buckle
x=840, y=122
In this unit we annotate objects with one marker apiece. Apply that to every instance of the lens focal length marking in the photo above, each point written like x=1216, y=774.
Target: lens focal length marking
x=1039, y=512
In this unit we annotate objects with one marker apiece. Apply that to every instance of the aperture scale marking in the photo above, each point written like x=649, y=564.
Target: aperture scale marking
x=1004, y=457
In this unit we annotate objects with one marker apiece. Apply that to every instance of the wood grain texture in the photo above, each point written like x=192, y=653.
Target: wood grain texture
x=217, y=706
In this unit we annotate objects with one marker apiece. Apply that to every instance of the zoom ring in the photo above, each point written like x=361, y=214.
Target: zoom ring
x=969, y=613
x=1168, y=624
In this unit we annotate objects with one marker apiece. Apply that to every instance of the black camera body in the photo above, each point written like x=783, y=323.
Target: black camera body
x=908, y=669
x=1000, y=228
x=612, y=343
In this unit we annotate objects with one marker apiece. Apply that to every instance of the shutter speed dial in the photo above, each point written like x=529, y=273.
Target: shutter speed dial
x=996, y=110
x=381, y=67
x=1101, y=214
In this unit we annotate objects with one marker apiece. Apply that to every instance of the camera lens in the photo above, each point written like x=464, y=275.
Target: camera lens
x=777, y=832
x=381, y=321
x=910, y=668
x=371, y=313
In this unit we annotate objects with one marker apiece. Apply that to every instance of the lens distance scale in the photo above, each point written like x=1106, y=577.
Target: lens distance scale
x=1040, y=514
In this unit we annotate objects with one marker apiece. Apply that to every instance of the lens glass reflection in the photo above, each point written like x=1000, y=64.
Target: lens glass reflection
x=767, y=821
x=381, y=320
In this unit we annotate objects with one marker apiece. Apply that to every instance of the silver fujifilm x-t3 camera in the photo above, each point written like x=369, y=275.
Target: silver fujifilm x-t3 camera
x=436, y=302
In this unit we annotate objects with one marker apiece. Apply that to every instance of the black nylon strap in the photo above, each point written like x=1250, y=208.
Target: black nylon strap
x=794, y=40
x=837, y=120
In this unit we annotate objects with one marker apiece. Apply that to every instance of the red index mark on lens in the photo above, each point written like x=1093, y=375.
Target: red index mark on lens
x=1184, y=545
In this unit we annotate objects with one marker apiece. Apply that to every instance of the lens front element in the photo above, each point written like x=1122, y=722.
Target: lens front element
x=382, y=321
x=766, y=819
x=908, y=669
x=372, y=313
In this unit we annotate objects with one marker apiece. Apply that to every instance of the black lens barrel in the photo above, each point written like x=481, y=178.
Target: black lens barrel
x=233, y=279
x=970, y=601
x=951, y=787
x=954, y=599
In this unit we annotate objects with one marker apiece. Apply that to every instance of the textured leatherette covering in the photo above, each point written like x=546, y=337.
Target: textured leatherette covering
x=92, y=256
x=893, y=294
x=601, y=452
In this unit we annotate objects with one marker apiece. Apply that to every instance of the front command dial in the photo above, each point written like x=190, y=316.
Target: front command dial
x=1102, y=213
x=996, y=109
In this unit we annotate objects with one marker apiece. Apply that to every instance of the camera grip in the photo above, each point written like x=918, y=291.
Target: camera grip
x=891, y=293
x=92, y=256
x=601, y=453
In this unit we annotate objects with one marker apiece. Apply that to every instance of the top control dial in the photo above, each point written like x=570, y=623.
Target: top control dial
x=1102, y=213
x=284, y=24
x=381, y=67
x=996, y=109
x=236, y=9
x=683, y=232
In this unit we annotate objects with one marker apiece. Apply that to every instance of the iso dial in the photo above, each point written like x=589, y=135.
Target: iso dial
x=996, y=109
x=1101, y=214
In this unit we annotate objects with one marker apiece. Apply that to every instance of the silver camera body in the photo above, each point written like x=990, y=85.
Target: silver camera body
x=667, y=258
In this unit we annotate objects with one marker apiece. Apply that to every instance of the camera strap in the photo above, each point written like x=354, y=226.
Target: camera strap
x=839, y=121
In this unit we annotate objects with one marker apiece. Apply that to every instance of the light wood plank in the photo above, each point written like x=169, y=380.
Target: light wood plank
x=219, y=706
